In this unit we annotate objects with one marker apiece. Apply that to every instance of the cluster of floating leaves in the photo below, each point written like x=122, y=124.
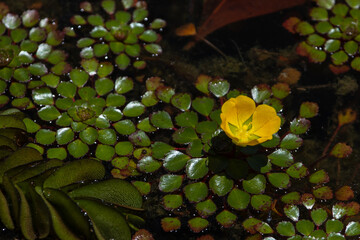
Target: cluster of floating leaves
x=42, y=197
x=28, y=56
x=123, y=37
x=335, y=33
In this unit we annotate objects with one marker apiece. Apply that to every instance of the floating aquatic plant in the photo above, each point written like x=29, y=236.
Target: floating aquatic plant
x=333, y=32
x=123, y=35
x=29, y=57
x=43, y=196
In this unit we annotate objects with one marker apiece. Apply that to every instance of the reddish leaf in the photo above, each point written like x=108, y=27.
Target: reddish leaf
x=345, y=193
x=224, y=12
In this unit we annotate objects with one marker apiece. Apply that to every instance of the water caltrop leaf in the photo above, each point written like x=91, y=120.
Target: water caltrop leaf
x=161, y=119
x=196, y=168
x=256, y=185
x=196, y=192
x=291, y=142
x=308, y=109
x=172, y=201
x=181, y=101
x=170, y=183
x=170, y=224
x=220, y=184
x=148, y=164
x=238, y=199
x=76, y=171
x=226, y=218
x=219, y=87
x=203, y=105
x=175, y=161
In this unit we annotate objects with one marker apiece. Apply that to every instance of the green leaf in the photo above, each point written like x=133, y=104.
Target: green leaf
x=134, y=109
x=308, y=109
x=148, y=164
x=169, y=224
x=160, y=149
x=260, y=93
x=170, y=183
x=279, y=180
x=187, y=119
x=56, y=153
x=145, y=125
x=226, y=218
x=107, y=136
x=198, y=224
x=48, y=113
x=104, y=152
x=221, y=185
x=333, y=226
x=196, y=168
x=291, y=141
x=281, y=158
x=305, y=227
x=318, y=216
x=196, y=192
x=165, y=93
x=66, y=89
x=256, y=185
x=121, y=193
x=175, y=161
x=104, y=86
x=124, y=127
x=45, y=136
x=181, y=101
x=75, y=171
x=285, y=228
x=297, y=170
x=238, y=199
x=203, y=105
x=122, y=61
x=107, y=223
x=161, y=119
x=172, y=201
x=261, y=202
x=149, y=99
x=292, y=212
x=319, y=177
x=206, y=208
x=184, y=135
x=11, y=21
x=140, y=138
x=219, y=87
x=77, y=148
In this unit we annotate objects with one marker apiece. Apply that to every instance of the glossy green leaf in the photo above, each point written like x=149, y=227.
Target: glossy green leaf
x=260, y=93
x=48, y=113
x=221, y=185
x=161, y=119
x=125, y=127
x=279, y=180
x=238, y=199
x=196, y=192
x=187, y=119
x=281, y=158
x=226, y=218
x=256, y=185
x=219, y=87
x=77, y=148
x=148, y=164
x=134, y=109
x=140, y=138
x=170, y=183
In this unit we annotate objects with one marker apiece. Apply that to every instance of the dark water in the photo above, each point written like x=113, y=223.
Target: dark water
x=239, y=41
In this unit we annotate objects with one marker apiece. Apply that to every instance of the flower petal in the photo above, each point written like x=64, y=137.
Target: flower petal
x=265, y=121
x=245, y=108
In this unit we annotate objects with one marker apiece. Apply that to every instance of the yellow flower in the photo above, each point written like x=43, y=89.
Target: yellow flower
x=248, y=124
